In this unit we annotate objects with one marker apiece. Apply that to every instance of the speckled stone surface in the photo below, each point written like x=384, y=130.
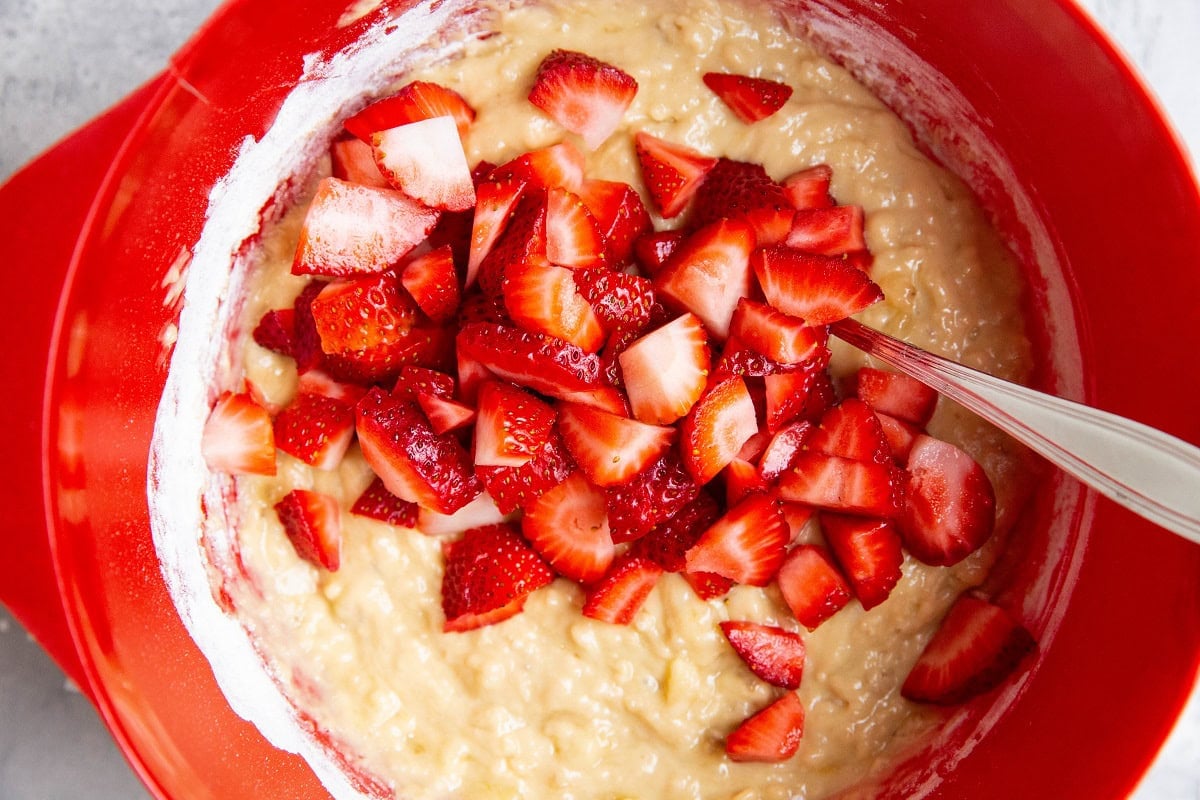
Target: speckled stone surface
x=64, y=61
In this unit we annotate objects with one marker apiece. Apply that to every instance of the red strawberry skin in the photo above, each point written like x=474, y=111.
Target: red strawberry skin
x=817, y=289
x=539, y=362
x=653, y=495
x=490, y=569
x=869, y=553
x=312, y=522
x=772, y=653
x=950, y=507
x=751, y=99
x=773, y=735
x=315, y=429
x=516, y=487
x=672, y=172
x=618, y=596
x=378, y=503
x=812, y=586
x=414, y=101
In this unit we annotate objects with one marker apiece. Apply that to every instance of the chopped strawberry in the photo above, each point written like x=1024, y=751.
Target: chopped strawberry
x=495, y=199
x=653, y=249
x=772, y=653
x=378, y=503
x=747, y=544
x=542, y=298
x=315, y=429
x=479, y=512
x=620, y=214
x=717, y=426
x=653, y=495
x=672, y=172
x=430, y=279
x=668, y=542
x=516, y=487
x=317, y=381
x=778, y=336
x=443, y=413
x=312, y=522
x=950, y=506
x=620, y=300
x=573, y=237
x=414, y=101
x=479, y=307
x=414, y=381
x=709, y=272
x=851, y=430
x=351, y=230
x=772, y=735
x=708, y=585
x=809, y=188
x=542, y=363
x=276, y=330
x=797, y=516
x=895, y=394
x=828, y=231
x=869, y=553
x=900, y=435
x=512, y=425
x=610, y=449
x=306, y=340
x=559, y=165
x=381, y=363
x=357, y=315
x=781, y=451
x=977, y=647
x=238, y=437
x=665, y=371
x=568, y=526
x=802, y=394
x=743, y=190
x=416, y=464
x=489, y=573
x=818, y=289
x=741, y=480
x=811, y=584
x=844, y=484
x=584, y=95
x=618, y=596
x=425, y=160
x=354, y=161
x=751, y=99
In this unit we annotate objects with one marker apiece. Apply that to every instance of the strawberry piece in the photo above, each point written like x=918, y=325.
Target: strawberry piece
x=315, y=429
x=672, y=172
x=479, y=307
x=381, y=363
x=568, y=526
x=276, y=331
x=444, y=414
x=782, y=449
x=476, y=514
x=896, y=394
x=559, y=165
x=495, y=199
x=516, y=487
x=771, y=736
x=828, y=231
x=950, y=507
x=306, y=340
x=797, y=516
x=653, y=495
x=620, y=300
x=351, y=230
x=709, y=273
x=900, y=435
x=818, y=289
x=610, y=449
x=751, y=99
x=512, y=425
x=772, y=653
x=668, y=542
x=414, y=381
x=851, y=430
x=977, y=647
x=665, y=371
x=708, y=585
x=353, y=160
x=653, y=249
x=809, y=188
x=584, y=95
x=415, y=463
x=844, y=484
x=378, y=503
x=489, y=574
x=868, y=551
x=317, y=381
x=425, y=160
x=573, y=237
x=542, y=363
x=741, y=480
x=545, y=299
x=811, y=585
x=238, y=437
x=747, y=544
x=356, y=315
x=743, y=190
x=804, y=394
x=430, y=279
x=713, y=432
x=779, y=337
x=312, y=522
x=523, y=241
x=412, y=102
x=619, y=213
x=618, y=596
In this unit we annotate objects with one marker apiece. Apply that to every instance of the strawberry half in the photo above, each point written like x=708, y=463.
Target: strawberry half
x=425, y=160
x=818, y=289
x=489, y=573
x=511, y=425
x=869, y=553
x=431, y=280
x=977, y=647
x=772, y=735
x=709, y=273
x=573, y=237
x=238, y=437
x=665, y=371
x=610, y=449
x=378, y=503
x=414, y=101
x=568, y=526
x=583, y=94
x=312, y=522
x=811, y=584
x=542, y=363
x=778, y=336
x=896, y=395
x=315, y=429
x=950, y=507
x=618, y=596
x=772, y=653
x=716, y=428
x=747, y=544
x=844, y=484
x=751, y=99
x=672, y=172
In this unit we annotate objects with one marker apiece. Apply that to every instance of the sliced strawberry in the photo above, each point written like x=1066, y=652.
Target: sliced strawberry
x=665, y=371
x=772, y=653
x=489, y=573
x=238, y=437
x=828, y=231
x=378, y=503
x=522, y=241
x=811, y=584
x=844, y=484
x=778, y=336
x=479, y=307
x=743, y=190
x=869, y=553
x=809, y=188
x=900, y=435
x=568, y=526
x=542, y=363
x=414, y=381
x=412, y=102
x=416, y=464
x=516, y=487
x=818, y=289
x=363, y=313
x=620, y=300
x=559, y=165
x=709, y=273
x=895, y=394
x=717, y=426
x=772, y=735
x=573, y=237
x=425, y=160
x=751, y=99
x=618, y=596
x=584, y=95
x=512, y=425
x=977, y=647
x=276, y=330
x=851, y=430
x=746, y=545
x=351, y=230
x=672, y=172
x=312, y=522
x=354, y=161
x=668, y=542
x=495, y=199
x=654, y=249
x=610, y=449
x=315, y=429
x=653, y=495
x=430, y=279
x=443, y=413
x=317, y=381
x=542, y=298
x=620, y=214
x=781, y=451
x=803, y=394
x=950, y=507
x=741, y=480
x=708, y=585
x=476, y=514
x=381, y=363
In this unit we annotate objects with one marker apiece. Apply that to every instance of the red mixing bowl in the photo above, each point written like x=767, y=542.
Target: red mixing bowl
x=1023, y=98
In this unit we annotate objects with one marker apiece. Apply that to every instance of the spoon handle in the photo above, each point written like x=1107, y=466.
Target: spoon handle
x=1147, y=471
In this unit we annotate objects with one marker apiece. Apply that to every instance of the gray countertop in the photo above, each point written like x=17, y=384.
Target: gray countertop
x=64, y=61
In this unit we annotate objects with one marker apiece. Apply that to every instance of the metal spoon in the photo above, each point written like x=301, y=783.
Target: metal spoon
x=1149, y=472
